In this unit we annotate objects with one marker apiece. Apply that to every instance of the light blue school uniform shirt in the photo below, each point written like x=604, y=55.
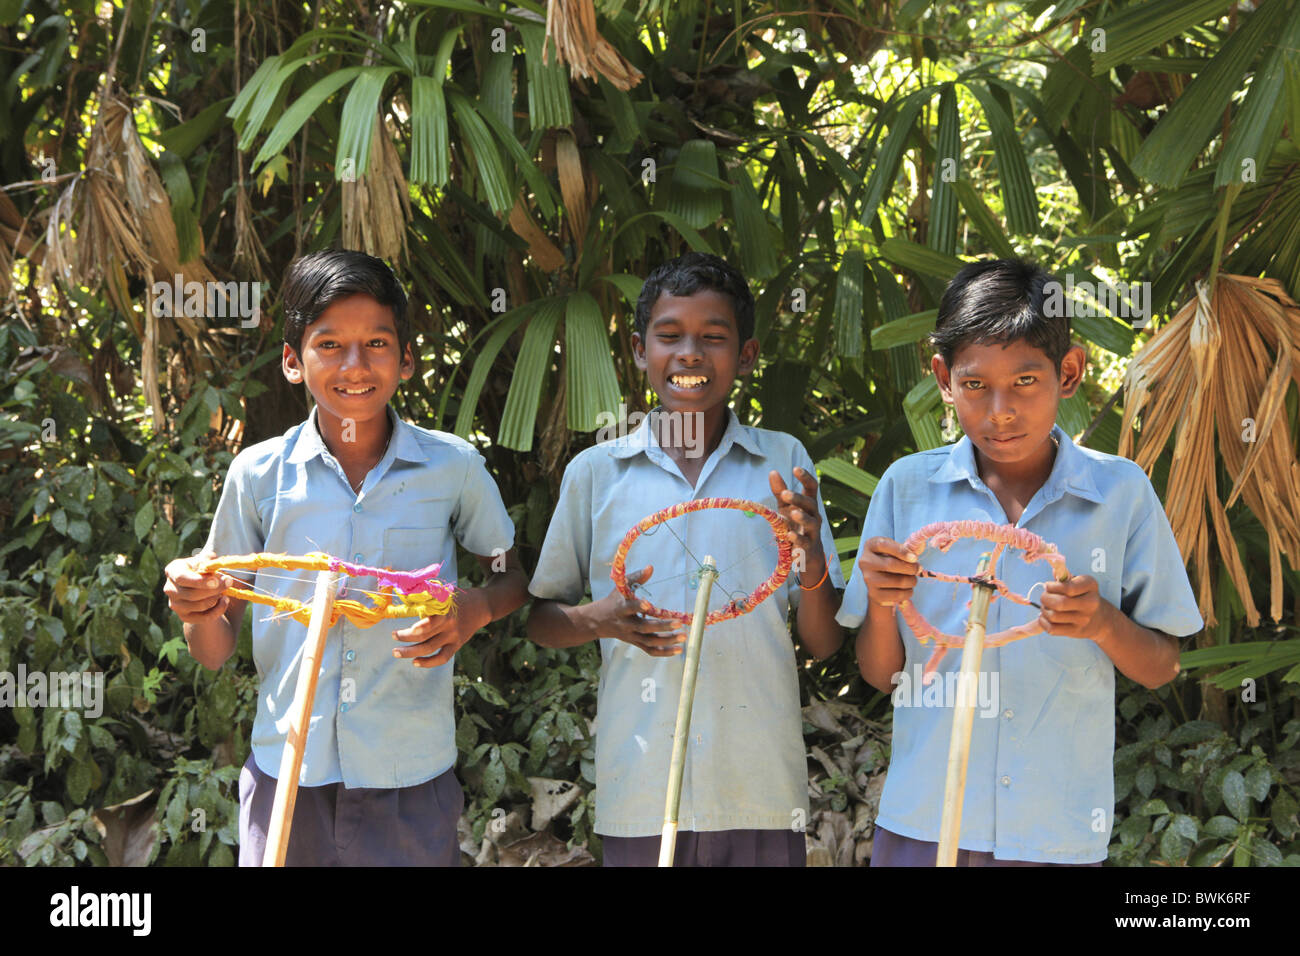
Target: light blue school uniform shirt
x=1040, y=785
x=377, y=721
x=745, y=764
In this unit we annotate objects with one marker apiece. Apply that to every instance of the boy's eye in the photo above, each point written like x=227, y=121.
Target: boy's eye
x=1027, y=380
x=667, y=336
x=972, y=385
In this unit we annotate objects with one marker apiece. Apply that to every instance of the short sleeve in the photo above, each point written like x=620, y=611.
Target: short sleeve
x=480, y=521
x=237, y=526
x=879, y=524
x=563, y=567
x=1155, y=591
x=803, y=460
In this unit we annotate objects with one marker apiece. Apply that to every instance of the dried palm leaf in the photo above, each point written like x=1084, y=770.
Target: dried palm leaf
x=573, y=186
x=121, y=218
x=572, y=24
x=1216, y=377
x=545, y=253
x=376, y=206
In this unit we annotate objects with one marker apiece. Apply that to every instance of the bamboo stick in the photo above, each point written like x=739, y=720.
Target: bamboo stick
x=963, y=715
x=286, y=787
x=682, y=732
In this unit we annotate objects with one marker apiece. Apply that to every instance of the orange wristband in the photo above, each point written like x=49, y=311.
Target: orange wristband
x=819, y=582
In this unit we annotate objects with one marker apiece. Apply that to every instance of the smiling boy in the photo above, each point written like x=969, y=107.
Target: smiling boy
x=377, y=784
x=744, y=796
x=1040, y=786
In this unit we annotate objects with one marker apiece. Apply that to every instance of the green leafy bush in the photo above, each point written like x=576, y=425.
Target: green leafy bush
x=1187, y=793
x=95, y=508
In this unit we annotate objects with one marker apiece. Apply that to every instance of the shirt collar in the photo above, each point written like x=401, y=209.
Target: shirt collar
x=1072, y=471
x=643, y=438
x=308, y=443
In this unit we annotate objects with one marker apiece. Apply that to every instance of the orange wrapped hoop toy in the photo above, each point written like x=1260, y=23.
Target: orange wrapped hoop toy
x=780, y=530
x=401, y=593
x=942, y=534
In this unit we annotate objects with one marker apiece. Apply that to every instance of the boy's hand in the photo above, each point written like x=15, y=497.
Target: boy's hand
x=622, y=618
x=801, y=513
x=196, y=597
x=889, y=571
x=1075, y=608
x=433, y=641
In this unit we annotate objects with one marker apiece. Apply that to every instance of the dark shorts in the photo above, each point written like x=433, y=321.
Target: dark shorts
x=715, y=848
x=890, y=849
x=335, y=826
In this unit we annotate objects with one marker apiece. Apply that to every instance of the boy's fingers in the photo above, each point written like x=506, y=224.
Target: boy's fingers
x=186, y=577
x=661, y=641
x=427, y=647
x=1076, y=586
x=801, y=505
x=654, y=625
x=671, y=651
x=884, y=564
x=808, y=481
x=190, y=602
x=193, y=613
x=891, y=548
x=425, y=628
x=775, y=482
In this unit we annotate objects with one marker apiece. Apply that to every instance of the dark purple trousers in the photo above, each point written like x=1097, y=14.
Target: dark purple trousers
x=890, y=849
x=335, y=826
x=713, y=848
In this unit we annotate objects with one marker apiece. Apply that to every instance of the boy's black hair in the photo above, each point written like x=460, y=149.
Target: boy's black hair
x=314, y=282
x=998, y=301
x=691, y=273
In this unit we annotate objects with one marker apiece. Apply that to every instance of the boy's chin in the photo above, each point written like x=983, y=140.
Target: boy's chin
x=363, y=407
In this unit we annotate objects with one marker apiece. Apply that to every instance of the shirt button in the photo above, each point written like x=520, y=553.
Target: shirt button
x=351, y=655
x=1008, y=713
x=357, y=557
x=357, y=507
x=344, y=709
x=1006, y=781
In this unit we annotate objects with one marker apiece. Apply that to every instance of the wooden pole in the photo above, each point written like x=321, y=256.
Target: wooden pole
x=668, y=841
x=963, y=716
x=286, y=787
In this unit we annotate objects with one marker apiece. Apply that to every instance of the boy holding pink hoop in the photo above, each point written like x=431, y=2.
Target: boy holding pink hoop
x=1040, y=785
x=745, y=792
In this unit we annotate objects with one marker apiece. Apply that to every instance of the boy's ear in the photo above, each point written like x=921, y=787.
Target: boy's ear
x=1073, y=365
x=748, y=357
x=291, y=365
x=638, y=351
x=943, y=376
x=407, y=368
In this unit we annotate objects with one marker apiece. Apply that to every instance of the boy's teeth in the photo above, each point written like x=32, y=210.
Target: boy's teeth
x=688, y=381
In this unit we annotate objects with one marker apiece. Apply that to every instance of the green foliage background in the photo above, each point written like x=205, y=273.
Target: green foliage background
x=812, y=143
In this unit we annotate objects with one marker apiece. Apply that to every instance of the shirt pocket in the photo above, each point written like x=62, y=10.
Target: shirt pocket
x=420, y=509
x=1079, y=659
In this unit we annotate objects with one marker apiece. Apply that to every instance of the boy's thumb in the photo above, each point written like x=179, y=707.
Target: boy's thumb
x=644, y=574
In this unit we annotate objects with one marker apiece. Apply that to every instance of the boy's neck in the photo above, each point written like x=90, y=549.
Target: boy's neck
x=351, y=441
x=685, y=439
